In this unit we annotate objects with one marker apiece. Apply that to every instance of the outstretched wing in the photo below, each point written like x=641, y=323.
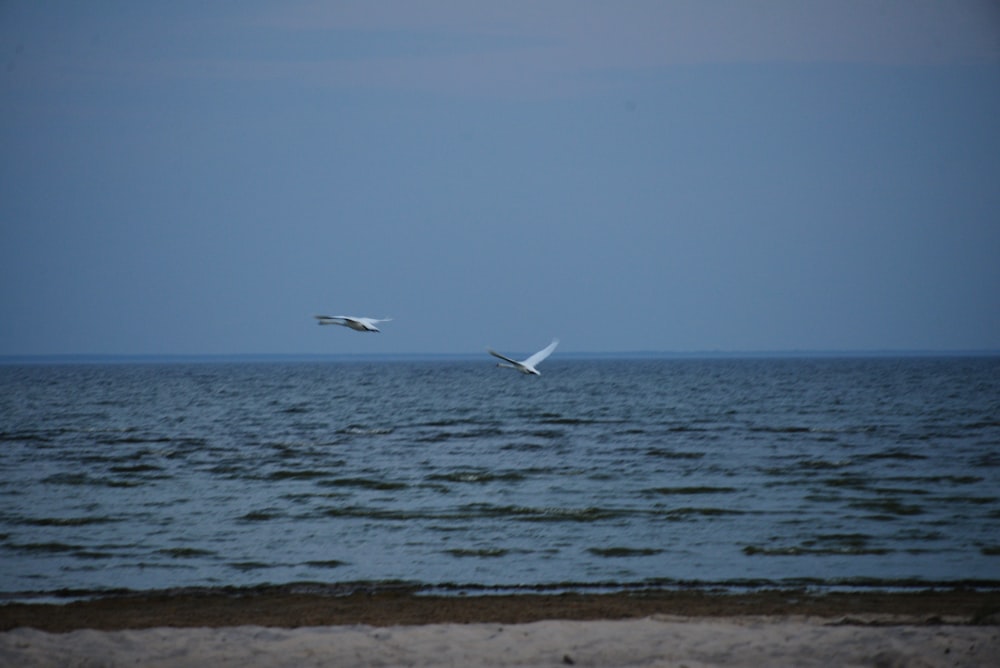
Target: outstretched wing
x=504, y=358
x=332, y=319
x=541, y=354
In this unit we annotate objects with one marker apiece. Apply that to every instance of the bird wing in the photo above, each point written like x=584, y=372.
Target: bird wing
x=335, y=318
x=504, y=358
x=541, y=354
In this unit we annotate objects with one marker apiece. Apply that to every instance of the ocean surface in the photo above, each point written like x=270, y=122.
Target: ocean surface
x=456, y=474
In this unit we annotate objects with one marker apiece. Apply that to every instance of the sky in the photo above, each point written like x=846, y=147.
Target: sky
x=185, y=178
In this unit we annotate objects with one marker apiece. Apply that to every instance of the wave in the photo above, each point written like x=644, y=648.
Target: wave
x=618, y=552
x=665, y=453
x=887, y=508
x=781, y=430
x=676, y=514
x=485, y=553
x=185, y=552
x=697, y=489
x=298, y=474
x=66, y=521
x=799, y=551
x=133, y=440
x=59, y=548
x=364, y=430
x=25, y=437
x=480, y=476
x=482, y=511
x=446, y=435
x=364, y=483
x=83, y=479
x=416, y=588
x=261, y=516
x=895, y=453
x=327, y=563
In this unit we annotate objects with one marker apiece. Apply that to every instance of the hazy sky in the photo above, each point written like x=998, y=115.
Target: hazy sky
x=191, y=177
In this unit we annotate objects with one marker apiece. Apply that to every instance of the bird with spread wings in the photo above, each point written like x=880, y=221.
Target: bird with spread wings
x=357, y=324
x=526, y=366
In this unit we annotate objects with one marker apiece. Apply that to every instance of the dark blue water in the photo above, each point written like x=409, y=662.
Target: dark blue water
x=439, y=472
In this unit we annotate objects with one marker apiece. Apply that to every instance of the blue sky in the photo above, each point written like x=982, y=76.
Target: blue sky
x=202, y=178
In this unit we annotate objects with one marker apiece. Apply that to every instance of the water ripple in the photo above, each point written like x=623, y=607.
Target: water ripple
x=763, y=470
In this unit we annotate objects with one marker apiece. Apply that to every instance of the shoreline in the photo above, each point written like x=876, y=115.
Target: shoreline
x=694, y=628
x=280, y=607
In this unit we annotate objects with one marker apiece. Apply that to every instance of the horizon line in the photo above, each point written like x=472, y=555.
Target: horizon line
x=55, y=358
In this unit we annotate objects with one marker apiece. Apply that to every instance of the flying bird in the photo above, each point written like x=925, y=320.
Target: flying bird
x=357, y=324
x=526, y=366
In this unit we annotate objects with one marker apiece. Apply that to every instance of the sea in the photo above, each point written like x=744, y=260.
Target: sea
x=453, y=475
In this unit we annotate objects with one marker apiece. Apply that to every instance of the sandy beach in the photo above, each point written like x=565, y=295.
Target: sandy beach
x=662, y=628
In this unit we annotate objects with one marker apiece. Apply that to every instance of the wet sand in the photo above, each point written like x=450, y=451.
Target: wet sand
x=655, y=628
x=278, y=607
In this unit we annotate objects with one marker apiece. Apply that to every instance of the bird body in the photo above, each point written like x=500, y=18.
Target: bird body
x=357, y=324
x=526, y=366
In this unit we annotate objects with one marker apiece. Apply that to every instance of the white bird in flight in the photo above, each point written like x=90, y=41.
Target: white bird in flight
x=526, y=366
x=357, y=324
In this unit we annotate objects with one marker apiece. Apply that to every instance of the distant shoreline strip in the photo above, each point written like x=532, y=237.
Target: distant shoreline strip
x=56, y=359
